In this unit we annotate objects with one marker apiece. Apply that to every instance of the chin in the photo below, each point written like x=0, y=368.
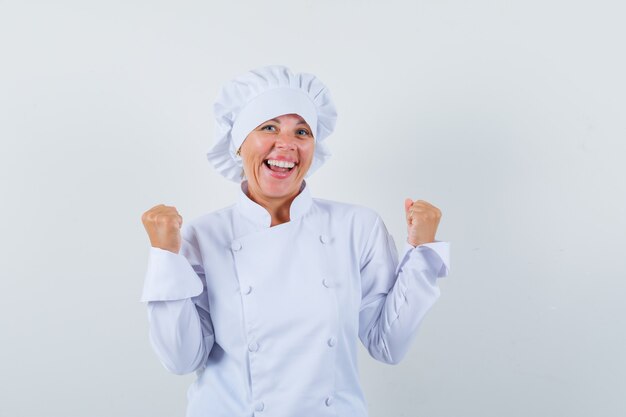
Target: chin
x=280, y=190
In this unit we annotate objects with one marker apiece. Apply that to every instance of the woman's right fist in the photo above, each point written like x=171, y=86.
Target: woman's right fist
x=163, y=225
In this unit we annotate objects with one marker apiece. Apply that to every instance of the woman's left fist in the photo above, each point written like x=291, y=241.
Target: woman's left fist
x=422, y=220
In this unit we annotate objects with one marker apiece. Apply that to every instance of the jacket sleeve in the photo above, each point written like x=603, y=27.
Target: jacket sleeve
x=181, y=331
x=395, y=296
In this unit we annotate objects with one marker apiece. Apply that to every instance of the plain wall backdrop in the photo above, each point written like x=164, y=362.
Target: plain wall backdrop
x=508, y=116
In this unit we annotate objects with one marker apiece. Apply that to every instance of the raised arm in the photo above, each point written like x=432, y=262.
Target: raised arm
x=181, y=332
x=397, y=295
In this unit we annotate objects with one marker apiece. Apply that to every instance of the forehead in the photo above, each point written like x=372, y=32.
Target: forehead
x=292, y=118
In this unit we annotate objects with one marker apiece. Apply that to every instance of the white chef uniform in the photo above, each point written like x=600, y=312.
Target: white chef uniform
x=269, y=317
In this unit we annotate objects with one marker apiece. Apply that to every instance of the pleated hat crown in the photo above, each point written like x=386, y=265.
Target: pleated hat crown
x=260, y=95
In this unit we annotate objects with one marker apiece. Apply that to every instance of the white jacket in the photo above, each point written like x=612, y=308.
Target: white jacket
x=269, y=317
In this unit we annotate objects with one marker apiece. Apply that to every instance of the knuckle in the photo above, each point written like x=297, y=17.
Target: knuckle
x=163, y=219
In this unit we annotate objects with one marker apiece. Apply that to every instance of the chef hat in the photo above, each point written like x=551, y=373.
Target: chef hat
x=262, y=94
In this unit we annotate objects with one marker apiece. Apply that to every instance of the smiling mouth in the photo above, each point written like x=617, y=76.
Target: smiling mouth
x=279, y=166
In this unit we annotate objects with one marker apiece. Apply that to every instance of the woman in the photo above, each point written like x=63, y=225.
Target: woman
x=265, y=299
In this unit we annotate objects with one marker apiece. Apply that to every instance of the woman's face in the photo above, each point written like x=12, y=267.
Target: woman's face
x=277, y=155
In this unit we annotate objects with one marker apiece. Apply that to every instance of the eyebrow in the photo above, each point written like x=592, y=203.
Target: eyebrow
x=302, y=122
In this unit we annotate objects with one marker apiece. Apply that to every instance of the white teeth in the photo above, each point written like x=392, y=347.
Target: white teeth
x=282, y=164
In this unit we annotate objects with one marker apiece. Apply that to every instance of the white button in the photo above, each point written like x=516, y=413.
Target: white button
x=324, y=239
x=329, y=401
x=235, y=245
x=259, y=406
x=332, y=341
x=253, y=347
x=247, y=290
x=326, y=283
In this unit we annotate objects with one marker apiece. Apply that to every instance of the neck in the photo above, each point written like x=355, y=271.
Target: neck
x=278, y=207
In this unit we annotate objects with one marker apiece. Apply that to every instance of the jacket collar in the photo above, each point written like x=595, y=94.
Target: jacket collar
x=261, y=217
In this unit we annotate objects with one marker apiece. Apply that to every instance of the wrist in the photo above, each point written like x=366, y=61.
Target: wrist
x=416, y=243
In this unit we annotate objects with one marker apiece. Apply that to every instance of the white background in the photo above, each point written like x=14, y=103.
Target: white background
x=508, y=116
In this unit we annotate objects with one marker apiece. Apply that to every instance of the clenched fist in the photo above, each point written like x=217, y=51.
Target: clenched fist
x=422, y=220
x=163, y=225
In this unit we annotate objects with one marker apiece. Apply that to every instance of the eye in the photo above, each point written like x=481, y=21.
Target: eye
x=270, y=127
x=302, y=132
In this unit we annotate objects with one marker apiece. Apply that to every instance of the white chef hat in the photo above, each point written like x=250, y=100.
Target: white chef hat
x=262, y=94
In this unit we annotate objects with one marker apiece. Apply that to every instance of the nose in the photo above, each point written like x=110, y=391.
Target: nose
x=285, y=140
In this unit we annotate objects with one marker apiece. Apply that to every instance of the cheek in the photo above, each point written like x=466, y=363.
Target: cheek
x=255, y=150
x=252, y=161
x=307, y=153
